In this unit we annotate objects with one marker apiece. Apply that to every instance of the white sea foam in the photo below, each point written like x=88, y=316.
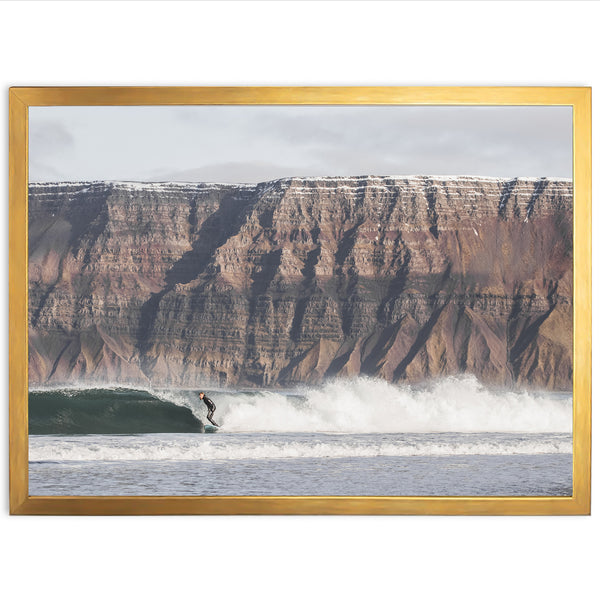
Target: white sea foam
x=197, y=447
x=366, y=405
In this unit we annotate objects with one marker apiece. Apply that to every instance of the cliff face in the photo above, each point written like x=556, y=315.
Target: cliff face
x=296, y=280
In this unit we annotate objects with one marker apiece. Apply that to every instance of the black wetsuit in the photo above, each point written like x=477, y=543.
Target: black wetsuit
x=211, y=409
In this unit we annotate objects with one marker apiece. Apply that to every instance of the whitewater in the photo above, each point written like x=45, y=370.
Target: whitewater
x=375, y=406
x=451, y=436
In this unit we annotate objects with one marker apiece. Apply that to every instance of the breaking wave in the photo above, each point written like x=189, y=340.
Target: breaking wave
x=363, y=405
x=108, y=410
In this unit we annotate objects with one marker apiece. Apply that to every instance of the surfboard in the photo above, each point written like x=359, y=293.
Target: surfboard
x=210, y=429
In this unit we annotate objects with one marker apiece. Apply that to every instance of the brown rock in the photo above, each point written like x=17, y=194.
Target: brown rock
x=296, y=280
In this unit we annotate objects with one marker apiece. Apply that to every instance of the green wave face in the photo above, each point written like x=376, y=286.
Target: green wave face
x=82, y=411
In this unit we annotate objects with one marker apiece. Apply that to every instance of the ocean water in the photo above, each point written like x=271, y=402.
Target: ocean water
x=365, y=437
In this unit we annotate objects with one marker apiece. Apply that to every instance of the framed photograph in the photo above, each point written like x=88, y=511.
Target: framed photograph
x=300, y=300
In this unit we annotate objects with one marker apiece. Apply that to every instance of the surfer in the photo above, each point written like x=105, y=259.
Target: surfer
x=210, y=405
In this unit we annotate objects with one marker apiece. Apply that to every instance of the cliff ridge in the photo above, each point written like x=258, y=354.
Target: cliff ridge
x=301, y=279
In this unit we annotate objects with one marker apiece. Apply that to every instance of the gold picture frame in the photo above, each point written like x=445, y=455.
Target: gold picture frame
x=21, y=98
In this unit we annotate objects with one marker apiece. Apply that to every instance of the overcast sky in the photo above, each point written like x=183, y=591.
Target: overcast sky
x=257, y=143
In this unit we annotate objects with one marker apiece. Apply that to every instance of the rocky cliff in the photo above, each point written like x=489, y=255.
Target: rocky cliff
x=297, y=280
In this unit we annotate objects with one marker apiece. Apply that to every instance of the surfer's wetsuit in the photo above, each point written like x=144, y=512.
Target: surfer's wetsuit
x=211, y=409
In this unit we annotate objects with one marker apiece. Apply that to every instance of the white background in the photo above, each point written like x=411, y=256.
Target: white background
x=389, y=43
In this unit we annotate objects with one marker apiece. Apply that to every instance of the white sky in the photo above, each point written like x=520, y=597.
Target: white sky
x=257, y=143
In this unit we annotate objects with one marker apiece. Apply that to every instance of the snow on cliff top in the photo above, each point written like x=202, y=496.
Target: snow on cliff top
x=139, y=185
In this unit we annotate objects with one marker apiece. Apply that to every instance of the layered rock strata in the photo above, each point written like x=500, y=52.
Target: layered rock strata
x=301, y=279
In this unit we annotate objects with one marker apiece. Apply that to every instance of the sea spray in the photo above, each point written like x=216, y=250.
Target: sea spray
x=460, y=404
